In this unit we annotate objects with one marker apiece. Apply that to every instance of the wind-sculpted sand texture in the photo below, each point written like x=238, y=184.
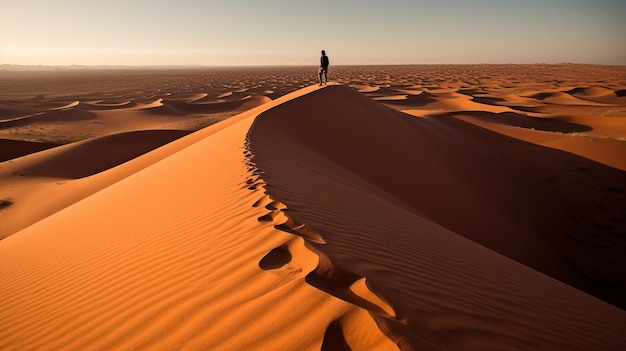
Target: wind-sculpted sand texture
x=401, y=207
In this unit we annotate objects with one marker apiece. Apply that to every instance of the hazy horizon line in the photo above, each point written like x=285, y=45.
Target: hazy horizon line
x=130, y=66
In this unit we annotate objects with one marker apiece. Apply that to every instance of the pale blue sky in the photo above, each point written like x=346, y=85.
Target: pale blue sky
x=282, y=32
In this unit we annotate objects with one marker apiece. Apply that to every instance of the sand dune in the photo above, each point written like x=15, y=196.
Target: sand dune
x=193, y=283
x=214, y=107
x=448, y=102
x=120, y=148
x=67, y=106
x=9, y=113
x=10, y=149
x=511, y=100
x=422, y=208
x=593, y=91
x=65, y=115
x=38, y=184
x=436, y=172
x=430, y=276
x=365, y=88
x=524, y=121
x=561, y=98
x=106, y=106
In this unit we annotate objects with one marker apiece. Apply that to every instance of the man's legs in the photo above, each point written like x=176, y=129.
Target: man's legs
x=323, y=73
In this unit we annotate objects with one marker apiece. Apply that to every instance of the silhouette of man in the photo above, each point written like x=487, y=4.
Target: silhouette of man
x=323, y=71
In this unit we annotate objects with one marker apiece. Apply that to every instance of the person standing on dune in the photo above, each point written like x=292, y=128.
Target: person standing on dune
x=323, y=71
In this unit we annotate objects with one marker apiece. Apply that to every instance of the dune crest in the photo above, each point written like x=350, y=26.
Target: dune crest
x=186, y=249
x=366, y=178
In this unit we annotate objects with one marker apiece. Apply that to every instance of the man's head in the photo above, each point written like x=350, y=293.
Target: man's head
x=323, y=53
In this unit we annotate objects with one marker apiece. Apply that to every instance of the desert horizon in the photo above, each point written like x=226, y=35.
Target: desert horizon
x=398, y=207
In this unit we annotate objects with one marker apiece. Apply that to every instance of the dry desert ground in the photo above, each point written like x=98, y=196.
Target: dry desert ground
x=426, y=207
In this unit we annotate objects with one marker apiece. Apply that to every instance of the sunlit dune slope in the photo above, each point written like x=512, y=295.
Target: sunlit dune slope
x=176, y=256
x=43, y=183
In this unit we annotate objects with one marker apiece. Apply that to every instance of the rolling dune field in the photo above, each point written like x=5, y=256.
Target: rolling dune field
x=426, y=207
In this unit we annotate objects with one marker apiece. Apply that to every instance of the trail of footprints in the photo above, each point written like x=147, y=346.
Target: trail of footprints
x=299, y=258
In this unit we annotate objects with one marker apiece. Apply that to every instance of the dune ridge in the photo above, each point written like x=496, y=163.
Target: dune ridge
x=367, y=226
x=176, y=276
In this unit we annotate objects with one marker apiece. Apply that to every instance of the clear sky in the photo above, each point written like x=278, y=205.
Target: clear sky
x=292, y=32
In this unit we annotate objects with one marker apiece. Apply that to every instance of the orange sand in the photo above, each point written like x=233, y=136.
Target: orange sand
x=417, y=207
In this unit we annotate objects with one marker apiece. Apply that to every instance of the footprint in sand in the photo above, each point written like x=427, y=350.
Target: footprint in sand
x=276, y=206
x=302, y=230
x=290, y=261
x=260, y=202
x=347, y=286
x=276, y=258
x=269, y=217
x=298, y=259
x=319, y=271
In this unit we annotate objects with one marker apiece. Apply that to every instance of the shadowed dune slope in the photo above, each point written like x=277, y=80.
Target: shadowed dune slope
x=87, y=157
x=10, y=149
x=479, y=184
x=390, y=193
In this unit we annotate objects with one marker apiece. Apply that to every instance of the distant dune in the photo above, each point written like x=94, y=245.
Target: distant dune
x=398, y=208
